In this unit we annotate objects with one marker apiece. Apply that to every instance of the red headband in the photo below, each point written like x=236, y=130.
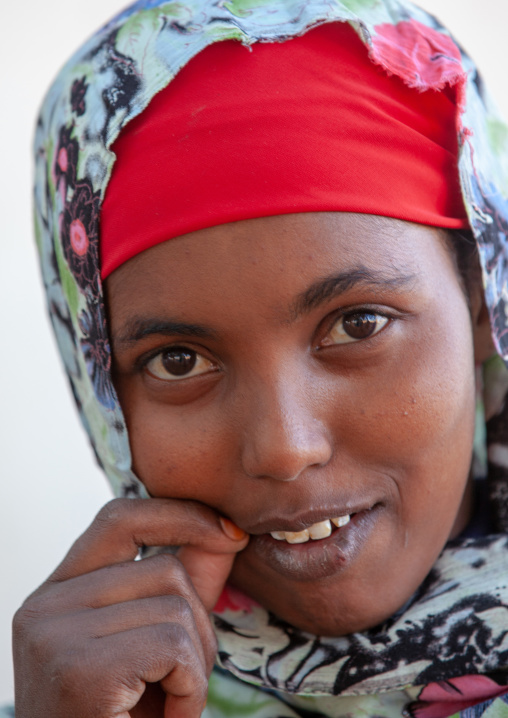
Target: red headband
x=307, y=125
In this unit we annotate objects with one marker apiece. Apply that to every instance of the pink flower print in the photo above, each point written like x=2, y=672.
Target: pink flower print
x=423, y=57
x=63, y=160
x=79, y=238
x=443, y=699
x=66, y=158
x=233, y=600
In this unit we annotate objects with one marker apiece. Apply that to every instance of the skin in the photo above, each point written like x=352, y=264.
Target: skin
x=283, y=421
x=280, y=419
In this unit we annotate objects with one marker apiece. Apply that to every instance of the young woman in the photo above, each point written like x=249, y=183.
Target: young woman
x=257, y=228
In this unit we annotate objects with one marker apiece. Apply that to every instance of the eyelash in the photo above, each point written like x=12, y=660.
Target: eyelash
x=154, y=364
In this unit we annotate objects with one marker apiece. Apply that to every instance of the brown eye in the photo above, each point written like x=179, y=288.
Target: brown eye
x=178, y=363
x=355, y=327
x=360, y=326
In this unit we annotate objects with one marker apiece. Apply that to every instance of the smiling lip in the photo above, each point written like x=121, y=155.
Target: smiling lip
x=315, y=559
x=299, y=522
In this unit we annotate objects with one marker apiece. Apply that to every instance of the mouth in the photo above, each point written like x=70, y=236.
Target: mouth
x=318, y=531
x=319, y=550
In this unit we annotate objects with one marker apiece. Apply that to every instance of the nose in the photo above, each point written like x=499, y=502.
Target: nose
x=283, y=435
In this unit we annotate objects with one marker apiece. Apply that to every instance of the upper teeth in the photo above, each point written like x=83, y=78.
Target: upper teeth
x=320, y=530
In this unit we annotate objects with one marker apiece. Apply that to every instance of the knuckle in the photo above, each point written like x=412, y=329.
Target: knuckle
x=42, y=640
x=173, y=574
x=181, y=609
x=31, y=611
x=179, y=639
x=114, y=512
x=20, y=622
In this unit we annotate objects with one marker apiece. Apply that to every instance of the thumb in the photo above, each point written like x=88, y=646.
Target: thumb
x=209, y=571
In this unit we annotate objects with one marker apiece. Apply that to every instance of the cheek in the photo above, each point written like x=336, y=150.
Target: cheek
x=427, y=390
x=426, y=405
x=415, y=424
x=174, y=455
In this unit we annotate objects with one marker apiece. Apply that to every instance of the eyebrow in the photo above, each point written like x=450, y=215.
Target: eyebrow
x=138, y=328
x=318, y=293
x=335, y=284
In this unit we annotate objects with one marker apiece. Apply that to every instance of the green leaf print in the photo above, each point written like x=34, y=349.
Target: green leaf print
x=68, y=283
x=244, y=8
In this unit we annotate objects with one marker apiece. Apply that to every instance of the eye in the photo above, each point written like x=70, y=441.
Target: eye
x=356, y=326
x=178, y=363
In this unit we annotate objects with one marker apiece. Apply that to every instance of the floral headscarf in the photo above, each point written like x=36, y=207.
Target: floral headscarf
x=449, y=647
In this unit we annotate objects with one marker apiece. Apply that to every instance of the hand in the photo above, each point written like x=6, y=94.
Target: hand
x=103, y=626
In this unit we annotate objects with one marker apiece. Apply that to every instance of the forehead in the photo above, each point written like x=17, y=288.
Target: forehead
x=276, y=259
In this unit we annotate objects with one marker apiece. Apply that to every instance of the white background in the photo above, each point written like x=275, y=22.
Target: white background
x=50, y=486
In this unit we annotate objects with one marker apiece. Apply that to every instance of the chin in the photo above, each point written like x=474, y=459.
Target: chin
x=326, y=608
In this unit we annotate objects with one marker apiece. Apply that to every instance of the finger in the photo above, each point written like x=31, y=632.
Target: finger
x=162, y=653
x=110, y=620
x=159, y=575
x=178, y=707
x=124, y=525
x=208, y=572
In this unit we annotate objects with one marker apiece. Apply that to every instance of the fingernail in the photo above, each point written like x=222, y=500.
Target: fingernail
x=232, y=530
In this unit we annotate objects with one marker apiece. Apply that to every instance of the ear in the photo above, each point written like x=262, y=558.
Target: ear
x=482, y=334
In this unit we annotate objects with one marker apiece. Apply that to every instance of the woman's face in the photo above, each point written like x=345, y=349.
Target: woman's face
x=295, y=369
